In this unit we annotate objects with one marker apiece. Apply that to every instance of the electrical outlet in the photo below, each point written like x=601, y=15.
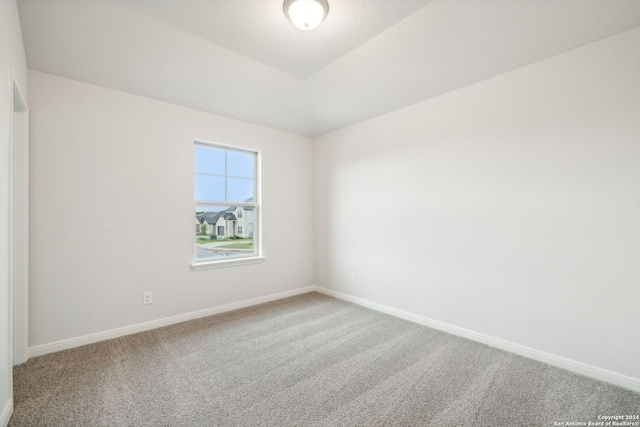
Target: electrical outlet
x=147, y=298
x=352, y=278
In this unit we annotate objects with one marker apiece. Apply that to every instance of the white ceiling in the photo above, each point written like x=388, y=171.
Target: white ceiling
x=244, y=59
x=258, y=29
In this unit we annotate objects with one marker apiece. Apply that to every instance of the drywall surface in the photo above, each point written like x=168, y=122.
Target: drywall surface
x=13, y=67
x=112, y=212
x=509, y=207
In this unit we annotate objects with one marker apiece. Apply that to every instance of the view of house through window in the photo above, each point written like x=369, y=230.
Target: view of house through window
x=226, y=206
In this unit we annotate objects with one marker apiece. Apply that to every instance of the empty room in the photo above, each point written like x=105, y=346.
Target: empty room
x=319, y=213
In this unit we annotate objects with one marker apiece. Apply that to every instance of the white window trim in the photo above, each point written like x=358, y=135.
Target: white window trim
x=228, y=262
x=258, y=255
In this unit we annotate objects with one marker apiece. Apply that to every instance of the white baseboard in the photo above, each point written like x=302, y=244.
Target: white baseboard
x=146, y=326
x=541, y=356
x=6, y=413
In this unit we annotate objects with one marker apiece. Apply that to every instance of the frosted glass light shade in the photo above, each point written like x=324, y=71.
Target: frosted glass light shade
x=306, y=14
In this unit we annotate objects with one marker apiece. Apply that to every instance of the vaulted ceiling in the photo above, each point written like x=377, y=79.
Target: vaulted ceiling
x=244, y=59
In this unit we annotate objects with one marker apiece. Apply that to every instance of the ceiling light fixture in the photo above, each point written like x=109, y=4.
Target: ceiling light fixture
x=306, y=14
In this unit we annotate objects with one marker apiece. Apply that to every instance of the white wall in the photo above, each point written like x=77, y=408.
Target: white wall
x=12, y=67
x=516, y=202
x=112, y=210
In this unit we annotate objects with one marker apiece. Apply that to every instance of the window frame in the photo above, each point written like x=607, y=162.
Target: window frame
x=257, y=255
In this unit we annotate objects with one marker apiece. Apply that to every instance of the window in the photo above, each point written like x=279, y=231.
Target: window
x=226, y=182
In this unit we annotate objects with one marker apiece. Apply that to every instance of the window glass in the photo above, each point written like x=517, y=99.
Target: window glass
x=239, y=189
x=210, y=187
x=209, y=160
x=240, y=164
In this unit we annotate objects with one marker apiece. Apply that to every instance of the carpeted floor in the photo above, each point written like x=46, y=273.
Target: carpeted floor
x=309, y=360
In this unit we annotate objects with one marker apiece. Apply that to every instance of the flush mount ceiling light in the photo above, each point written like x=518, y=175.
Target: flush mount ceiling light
x=306, y=14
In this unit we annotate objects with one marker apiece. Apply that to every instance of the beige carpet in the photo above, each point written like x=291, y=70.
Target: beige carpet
x=309, y=360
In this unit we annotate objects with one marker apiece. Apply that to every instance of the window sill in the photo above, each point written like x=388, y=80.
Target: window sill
x=206, y=265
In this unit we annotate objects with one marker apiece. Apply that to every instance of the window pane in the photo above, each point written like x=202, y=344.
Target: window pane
x=239, y=189
x=209, y=187
x=209, y=160
x=221, y=231
x=240, y=164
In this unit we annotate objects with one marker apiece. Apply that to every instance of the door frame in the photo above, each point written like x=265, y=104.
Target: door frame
x=19, y=226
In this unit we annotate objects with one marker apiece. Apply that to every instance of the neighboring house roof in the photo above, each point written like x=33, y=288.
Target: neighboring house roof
x=230, y=216
x=210, y=217
x=213, y=217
